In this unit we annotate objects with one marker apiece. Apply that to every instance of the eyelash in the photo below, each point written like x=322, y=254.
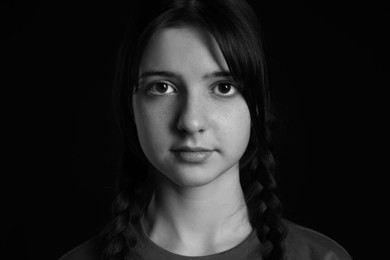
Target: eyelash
x=152, y=91
x=232, y=87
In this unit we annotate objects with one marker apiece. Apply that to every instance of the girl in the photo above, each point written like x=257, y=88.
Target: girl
x=193, y=105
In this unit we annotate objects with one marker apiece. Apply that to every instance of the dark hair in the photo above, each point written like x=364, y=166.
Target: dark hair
x=235, y=28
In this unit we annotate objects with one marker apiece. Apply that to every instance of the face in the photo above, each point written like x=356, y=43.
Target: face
x=193, y=123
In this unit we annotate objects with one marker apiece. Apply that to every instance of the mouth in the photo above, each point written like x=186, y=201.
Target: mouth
x=192, y=154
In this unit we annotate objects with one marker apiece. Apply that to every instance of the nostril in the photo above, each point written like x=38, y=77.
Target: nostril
x=191, y=125
x=192, y=122
x=192, y=114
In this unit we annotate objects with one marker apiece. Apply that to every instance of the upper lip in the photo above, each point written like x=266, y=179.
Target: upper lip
x=191, y=149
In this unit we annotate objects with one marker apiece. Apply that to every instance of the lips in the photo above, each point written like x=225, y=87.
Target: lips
x=192, y=154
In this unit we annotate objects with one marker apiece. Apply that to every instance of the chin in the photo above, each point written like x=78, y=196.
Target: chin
x=192, y=181
x=193, y=176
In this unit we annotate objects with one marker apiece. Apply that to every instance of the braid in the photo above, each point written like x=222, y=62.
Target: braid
x=133, y=189
x=273, y=228
x=265, y=208
x=258, y=167
x=124, y=231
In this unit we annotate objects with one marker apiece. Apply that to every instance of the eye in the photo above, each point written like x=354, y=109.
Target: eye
x=224, y=89
x=161, y=88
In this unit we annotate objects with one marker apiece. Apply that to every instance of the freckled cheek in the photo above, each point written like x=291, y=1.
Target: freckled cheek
x=235, y=125
x=152, y=121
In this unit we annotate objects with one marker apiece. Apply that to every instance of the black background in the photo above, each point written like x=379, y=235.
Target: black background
x=327, y=63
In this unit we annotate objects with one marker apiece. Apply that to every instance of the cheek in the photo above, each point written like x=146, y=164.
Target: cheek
x=152, y=122
x=237, y=126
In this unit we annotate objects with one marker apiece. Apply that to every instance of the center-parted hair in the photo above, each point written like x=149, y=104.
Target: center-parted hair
x=235, y=27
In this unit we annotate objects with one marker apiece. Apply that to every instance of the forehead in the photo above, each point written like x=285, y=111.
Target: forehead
x=182, y=48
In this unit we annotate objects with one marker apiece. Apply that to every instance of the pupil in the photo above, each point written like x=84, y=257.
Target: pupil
x=224, y=88
x=161, y=87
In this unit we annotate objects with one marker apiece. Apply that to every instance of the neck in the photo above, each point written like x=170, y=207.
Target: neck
x=198, y=220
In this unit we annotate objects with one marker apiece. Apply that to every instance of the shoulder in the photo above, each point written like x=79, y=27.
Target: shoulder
x=304, y=243
x=89, y=250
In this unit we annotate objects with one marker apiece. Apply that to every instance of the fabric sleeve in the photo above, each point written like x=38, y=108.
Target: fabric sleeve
x=89, y=250
x=306, y=244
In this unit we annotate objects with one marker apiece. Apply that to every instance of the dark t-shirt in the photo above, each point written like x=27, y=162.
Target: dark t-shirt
x=301, y=244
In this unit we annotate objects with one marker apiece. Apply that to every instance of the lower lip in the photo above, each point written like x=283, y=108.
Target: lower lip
x=193, y=157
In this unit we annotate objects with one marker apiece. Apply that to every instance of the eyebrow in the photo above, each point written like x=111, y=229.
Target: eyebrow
x=218, y=74
x=158, y=73
x=170, y=74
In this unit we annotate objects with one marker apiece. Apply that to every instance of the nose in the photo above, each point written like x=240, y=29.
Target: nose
x=192, y=115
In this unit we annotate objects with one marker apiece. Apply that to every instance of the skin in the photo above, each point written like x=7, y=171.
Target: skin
x=186, y=101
